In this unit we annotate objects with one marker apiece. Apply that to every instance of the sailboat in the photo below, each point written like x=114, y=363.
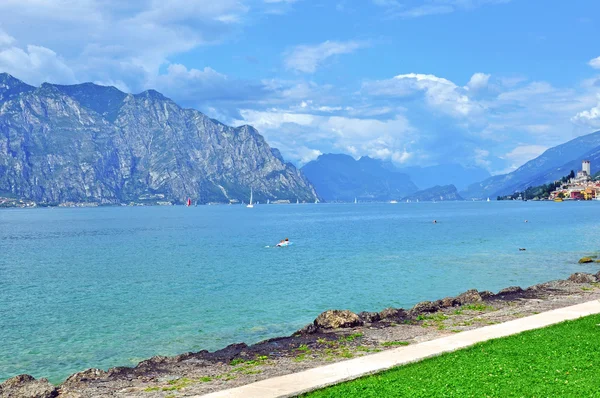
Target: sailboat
x=189, y=202
x=250, y=205
x=317, y=200
x=268, y=201
x=297, y=201
x=488, y=199
x=355, y=202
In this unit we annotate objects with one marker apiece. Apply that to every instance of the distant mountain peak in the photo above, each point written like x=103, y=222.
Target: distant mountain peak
x=340, y=177
x=93, y=143
x=11, y=87
x=152, y=94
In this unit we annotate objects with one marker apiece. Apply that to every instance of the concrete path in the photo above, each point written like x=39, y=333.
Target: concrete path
x=312, y=379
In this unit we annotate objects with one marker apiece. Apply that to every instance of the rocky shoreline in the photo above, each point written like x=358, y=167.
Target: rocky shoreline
x=335, y=335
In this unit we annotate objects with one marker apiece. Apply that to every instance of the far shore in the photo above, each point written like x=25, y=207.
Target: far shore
x=335, y=335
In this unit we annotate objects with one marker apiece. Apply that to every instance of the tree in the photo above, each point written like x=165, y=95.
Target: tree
x=571, y=175
x=561, y=195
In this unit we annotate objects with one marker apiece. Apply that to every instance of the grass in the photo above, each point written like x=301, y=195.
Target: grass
x=557, y=361
x=394, y=343
x=351, y=337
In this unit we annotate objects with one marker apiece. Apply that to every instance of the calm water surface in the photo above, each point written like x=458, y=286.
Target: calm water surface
x=105, y=287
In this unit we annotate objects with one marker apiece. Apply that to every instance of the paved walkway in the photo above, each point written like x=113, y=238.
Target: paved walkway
x=312, y=379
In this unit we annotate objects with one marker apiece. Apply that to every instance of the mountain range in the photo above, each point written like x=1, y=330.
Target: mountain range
x=551, y=165
x=91, y=143
x=340, y=177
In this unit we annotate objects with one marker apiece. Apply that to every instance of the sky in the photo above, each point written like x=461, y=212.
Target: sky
x=487, y=83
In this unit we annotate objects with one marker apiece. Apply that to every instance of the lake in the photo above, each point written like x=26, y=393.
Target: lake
x=110, y=286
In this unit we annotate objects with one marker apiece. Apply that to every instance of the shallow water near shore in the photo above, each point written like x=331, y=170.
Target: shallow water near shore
x=103, y=287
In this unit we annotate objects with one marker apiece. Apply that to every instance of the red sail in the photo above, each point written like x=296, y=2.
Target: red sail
x=189, y=202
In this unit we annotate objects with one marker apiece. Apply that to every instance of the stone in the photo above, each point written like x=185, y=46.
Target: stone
x=469, y=297
x=86, y=375
x=585, y=260
x=369, y=317
x=486, y=294
x=582, y=277
x=26, y=386
x=447, y=302
x=335, y=319
x=423, y=307
x=308, y=329
x=393, y=314
x=510, y=290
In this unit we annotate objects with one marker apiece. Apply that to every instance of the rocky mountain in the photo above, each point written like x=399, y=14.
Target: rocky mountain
x=543, y=169
x=446, y=174
x=89, y=143
x=437, y=193
x=342, y=178
x=558, y=172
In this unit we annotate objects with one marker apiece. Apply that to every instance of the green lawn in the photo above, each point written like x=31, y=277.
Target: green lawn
x=558, y=361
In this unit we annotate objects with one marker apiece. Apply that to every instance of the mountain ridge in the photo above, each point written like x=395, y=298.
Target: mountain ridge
x=532, y=172
x=95, y=143
x=339, y=177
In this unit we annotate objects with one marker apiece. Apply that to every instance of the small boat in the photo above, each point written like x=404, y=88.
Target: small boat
x=316, y=201
x=250, y=205
x=488, y=199
x=355, y=202
x=393, y=202
x=297, y=201
x=558, y=199
x=189, y=202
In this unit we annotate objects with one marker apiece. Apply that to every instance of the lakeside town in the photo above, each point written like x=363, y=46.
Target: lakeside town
x=582, y=186
x=574, y=186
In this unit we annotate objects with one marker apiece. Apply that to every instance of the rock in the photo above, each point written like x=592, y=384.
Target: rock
x=447, y=302
x=486, y=294
x=582, y=277
x=469, y=297
x=585, y=260
x=308, y=329
x=26, y=386
x=369, y=317
x=423, y=307
x=86, y=375
x=598, y=276
x=393, y=314
x=335, y=319
x=510, y=290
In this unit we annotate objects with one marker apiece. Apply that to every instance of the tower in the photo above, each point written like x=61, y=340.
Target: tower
x=585, y=166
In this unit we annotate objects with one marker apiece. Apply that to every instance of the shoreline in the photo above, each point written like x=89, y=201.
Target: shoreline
x=335, y=335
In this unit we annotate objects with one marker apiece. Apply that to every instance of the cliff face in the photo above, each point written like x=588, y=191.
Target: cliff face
x=341, y=178
x=441, y=193
x=94, y=143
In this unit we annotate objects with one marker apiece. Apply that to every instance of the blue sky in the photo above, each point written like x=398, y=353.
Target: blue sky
x=489, y=83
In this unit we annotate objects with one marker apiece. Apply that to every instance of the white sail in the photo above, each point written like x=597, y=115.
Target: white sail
x=355, y=202
x=250, y=205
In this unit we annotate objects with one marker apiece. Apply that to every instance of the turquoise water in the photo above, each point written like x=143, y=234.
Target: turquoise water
x=103, y=287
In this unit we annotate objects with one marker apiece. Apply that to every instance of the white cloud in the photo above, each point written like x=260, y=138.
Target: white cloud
x=36, y=65
x=386, y=139
x=588, y=118
x=307, y=58
x=595, y=63
x=421, y=8
x=440, y=93
x=478, y=81
x=523, y=153
x=5, y=39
